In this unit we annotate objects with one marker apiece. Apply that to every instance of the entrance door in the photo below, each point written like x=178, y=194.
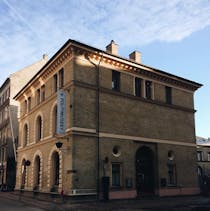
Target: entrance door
x=145, y=171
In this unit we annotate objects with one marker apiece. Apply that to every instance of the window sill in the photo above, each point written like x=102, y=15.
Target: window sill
x=116, y=188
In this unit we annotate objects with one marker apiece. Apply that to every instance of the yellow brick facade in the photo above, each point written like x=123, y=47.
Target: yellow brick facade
x=126, y=122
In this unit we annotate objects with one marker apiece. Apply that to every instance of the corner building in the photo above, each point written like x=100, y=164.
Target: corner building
x=126, y=121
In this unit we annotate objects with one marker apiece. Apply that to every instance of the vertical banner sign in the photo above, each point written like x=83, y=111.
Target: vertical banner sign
x=61, y=113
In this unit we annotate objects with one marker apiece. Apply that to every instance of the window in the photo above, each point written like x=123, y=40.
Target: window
x=200, y=156
x=208, y=156
x=43, y=93
x=37, y=171
x=168, y=92
x=25, y=106
x=55, y=169
x=38, y=96
x=25, y=135
x=116, y=171
x=138, y=87
x=171, y=174
x=61, y=78
x=39, y=128
x=148, y=89
x=23, y=173
x=115, y=80
x=55, y=83
x=29, y=103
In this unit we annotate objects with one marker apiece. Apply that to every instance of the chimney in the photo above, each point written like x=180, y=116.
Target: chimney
x=45, y=57
x=112, y=48
x=135, y=56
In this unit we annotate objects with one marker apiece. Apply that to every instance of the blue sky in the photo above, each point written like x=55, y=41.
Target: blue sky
x=173, y=36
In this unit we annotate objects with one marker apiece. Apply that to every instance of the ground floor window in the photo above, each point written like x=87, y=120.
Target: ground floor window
x=171, y=174
x=116, y=174
x=55, y=168
x=23, y=173
x=37, y=170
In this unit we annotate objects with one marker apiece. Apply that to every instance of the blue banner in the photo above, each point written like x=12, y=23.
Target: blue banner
x=61, y=113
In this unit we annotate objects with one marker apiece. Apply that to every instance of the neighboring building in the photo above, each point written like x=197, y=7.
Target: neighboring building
x=203, y=154
x=9, y=123
x=115, y=117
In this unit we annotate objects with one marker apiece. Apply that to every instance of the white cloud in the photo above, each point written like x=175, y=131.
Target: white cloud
x=30, y=28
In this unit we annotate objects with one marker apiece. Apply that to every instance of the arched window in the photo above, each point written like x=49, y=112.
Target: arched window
x=55, y=169
x=25, y=135
x=23, y=173
x=37, y=171
x=54, y=122
x=39, y=128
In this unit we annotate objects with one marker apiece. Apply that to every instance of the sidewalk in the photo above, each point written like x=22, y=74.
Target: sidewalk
x=184, y=203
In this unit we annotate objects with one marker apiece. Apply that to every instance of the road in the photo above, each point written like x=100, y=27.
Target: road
x=10, y=205
x=10, y=201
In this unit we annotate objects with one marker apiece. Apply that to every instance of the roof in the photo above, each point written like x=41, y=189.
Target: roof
x=83, y=45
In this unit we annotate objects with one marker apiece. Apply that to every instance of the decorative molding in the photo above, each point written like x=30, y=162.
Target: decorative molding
x=79, y=129
x=143, y=139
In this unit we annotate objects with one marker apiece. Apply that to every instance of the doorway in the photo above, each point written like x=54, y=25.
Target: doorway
x=145, y=171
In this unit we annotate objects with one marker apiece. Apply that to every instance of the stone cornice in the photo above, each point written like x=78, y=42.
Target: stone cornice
x=57, y=63
x=139, y=69
x=73, y=48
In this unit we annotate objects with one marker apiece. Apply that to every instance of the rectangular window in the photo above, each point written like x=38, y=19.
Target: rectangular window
x=43, y=93
x=148, y=89
x=116, y=171
x=138, y=87
x=168, y=92
x=29, y=103
x=200, y=156
x=38, y=96
x=209, y=156
x=171, y=174
x=25, y=106
x=55, y=83
x=61, y=78
x=115, y=80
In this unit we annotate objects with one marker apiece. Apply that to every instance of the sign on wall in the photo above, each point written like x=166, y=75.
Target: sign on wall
x=61, y=113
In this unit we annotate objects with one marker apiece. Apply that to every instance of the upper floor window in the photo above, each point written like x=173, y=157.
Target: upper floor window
x=115, y=80
x=39, y=128
x=168, y=92
x=29, y=103
x=55, y=83
x=38, y=96
x=200, y=156
x=61, y=78
x=25, y=135
x=25, y=106
x=208, y=156
x=138, y=87
x=42, y=93
x=148, y=89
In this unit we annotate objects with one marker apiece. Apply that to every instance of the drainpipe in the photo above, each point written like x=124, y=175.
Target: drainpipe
x=97, y=117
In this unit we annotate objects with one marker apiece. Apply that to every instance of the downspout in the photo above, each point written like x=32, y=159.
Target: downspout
x=97, y=117
x=12, y=132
